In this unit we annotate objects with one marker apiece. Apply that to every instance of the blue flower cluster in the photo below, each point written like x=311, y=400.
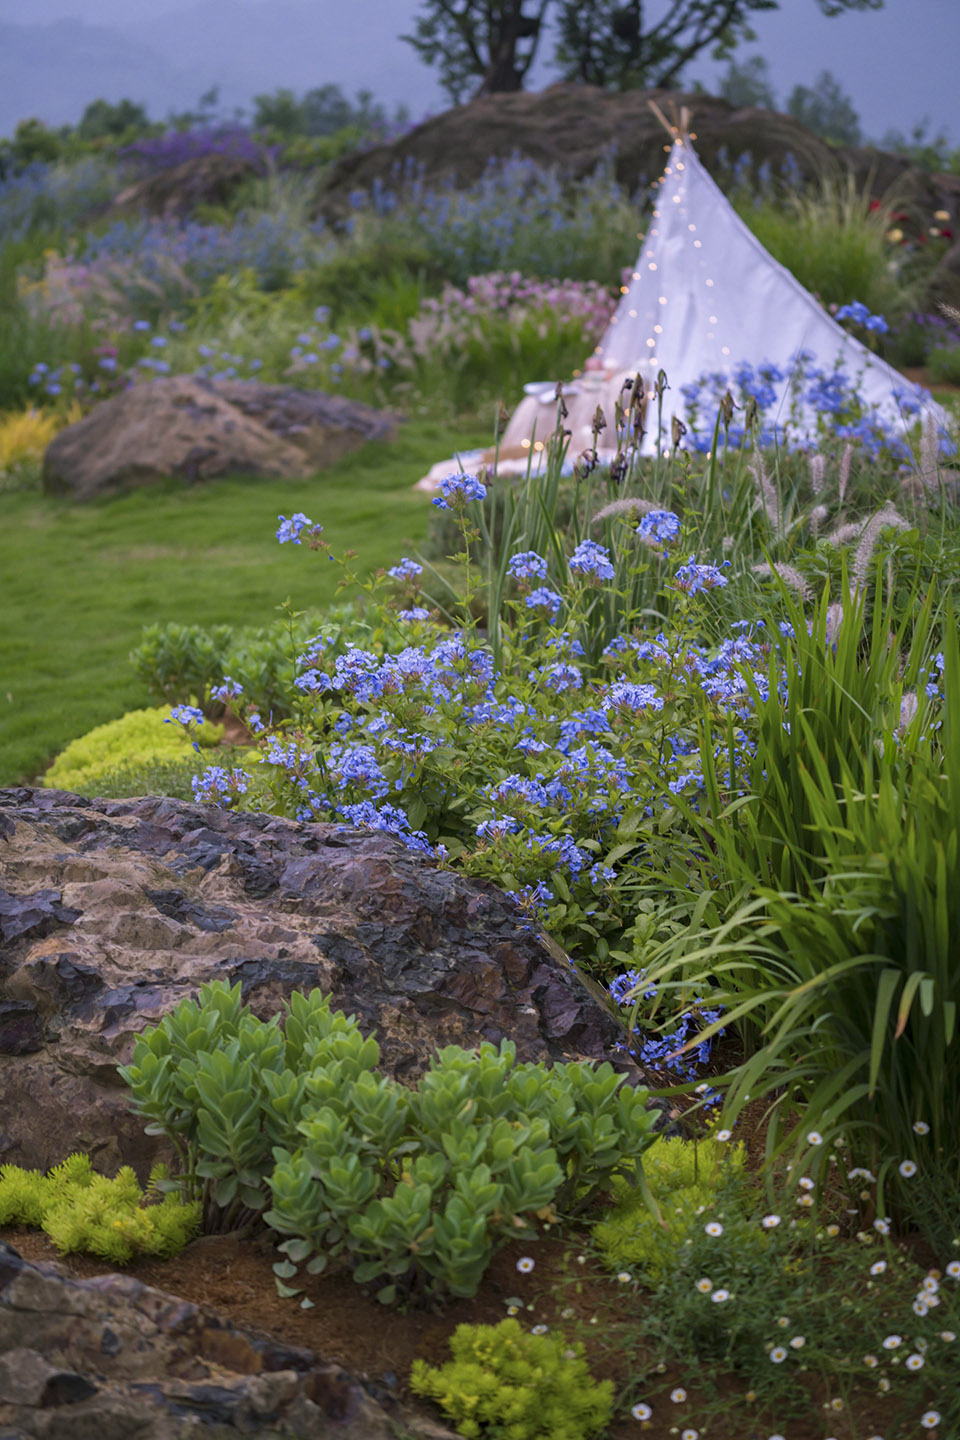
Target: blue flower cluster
x=860, y=315
x=592, y=561
x=456, y=491
x=292, y=529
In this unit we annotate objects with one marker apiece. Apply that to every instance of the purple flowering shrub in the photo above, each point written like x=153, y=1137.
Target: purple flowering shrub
x=154, y=153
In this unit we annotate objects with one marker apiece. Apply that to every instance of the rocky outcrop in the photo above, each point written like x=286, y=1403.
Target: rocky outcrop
x=575, y=127
x=175, y=193
x=111, y=1359
x=197, y=429
x=113, y=911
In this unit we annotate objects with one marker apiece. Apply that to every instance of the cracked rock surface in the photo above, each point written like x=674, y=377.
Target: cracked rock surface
x=112, y=911
x=110, y=1358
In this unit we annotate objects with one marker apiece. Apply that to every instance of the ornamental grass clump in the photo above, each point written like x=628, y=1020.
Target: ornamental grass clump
x=833, y=852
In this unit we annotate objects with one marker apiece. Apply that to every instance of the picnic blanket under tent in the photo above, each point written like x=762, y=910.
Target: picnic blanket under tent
x=704, y=298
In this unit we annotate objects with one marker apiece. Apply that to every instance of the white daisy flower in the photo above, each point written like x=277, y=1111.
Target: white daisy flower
x=704, y=1286
x=539, y=1329
x=679, y=1395
x=930, y=1420
x=798, y=1342
x=947, y=1336
x=690, y=1435
x=920, y=1127
x=914, y=1362
x=858, y=1173
x=919, y=1307
x=624, y=1277
x=805, y=1183
x=723, y=1134
x=931, y=1283
x=836, y=1403
x=833, y=1231
x=525, y=1264
x=871, y=1362
x=778, y=1354
x=806, y=1200
x=953, y=1269
x=770, y=1222
x=714, y=1228
x=892, y=1341
x=719, y=1296
x=814, y=1138
x=878, y=1267
x=882, y=1226
x=907, y=1168
x=641, y=1411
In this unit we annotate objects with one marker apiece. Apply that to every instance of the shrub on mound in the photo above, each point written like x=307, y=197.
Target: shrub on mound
x=139, y=740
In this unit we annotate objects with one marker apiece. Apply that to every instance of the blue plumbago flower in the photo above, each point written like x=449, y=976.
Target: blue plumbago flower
x=141, y=324
x=357, y=764
x=389, y=819
x=561, y=677
x=458, y=490
x=625, y=695
x=294, y=757
x=217, y=786
x=544, y=599
x=406, y=570
x=416, y=613
x=497, y=826
x=565, y=644
x=293, y=528
x=228, y=689
x=629, y=980
x=692, y=578
x=527, y=565
x=185, y=715
x=159, y=341
x=662, y=526
x=592, y=561
x=311, y=682
x=531, y=899
x=860, y=315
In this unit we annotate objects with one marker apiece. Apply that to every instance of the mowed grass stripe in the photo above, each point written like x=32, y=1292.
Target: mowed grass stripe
x=78, y=582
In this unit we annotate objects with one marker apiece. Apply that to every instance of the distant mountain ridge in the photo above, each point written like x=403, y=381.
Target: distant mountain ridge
x=52, y=68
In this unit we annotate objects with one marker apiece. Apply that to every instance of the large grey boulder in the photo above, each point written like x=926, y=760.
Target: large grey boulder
x=112, y=911
x=197, y=429
x=112, y=1359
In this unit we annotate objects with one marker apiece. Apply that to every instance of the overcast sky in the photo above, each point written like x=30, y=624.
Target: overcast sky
x=898, y=65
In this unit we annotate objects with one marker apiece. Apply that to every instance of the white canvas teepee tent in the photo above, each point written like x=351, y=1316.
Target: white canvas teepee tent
x=706, y=298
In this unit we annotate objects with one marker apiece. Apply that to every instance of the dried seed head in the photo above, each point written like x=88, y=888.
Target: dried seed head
x=788, y=575
x=818, y=470
x=883, y=519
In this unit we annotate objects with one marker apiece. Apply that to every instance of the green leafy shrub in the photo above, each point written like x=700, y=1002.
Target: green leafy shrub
x=83, y=1211
x=177, y=662
x=139, y=738
x=684, y=1178
x=943, y=365
x=503, y=1381
x=414, y=1189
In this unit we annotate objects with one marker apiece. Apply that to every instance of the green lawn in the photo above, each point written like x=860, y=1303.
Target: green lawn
x=79, y=581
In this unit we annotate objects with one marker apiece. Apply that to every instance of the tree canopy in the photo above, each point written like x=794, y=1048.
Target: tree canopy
x=483, y=46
